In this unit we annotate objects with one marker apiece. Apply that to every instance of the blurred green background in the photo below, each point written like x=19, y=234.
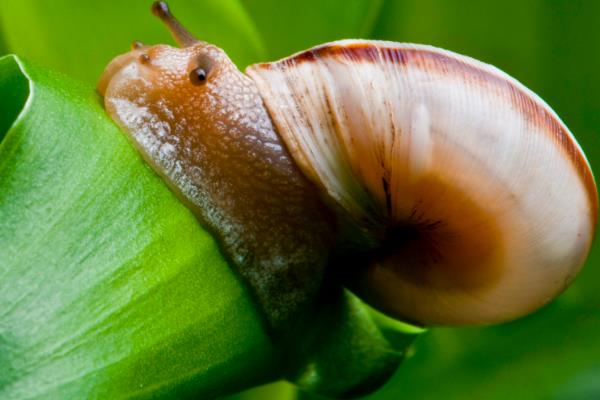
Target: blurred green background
x=552, y=46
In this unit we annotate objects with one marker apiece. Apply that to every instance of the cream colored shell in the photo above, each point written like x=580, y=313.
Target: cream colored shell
x=482, y=200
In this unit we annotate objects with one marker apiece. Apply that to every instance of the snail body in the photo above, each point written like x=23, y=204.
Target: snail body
x=468, y=200
x=214, y=144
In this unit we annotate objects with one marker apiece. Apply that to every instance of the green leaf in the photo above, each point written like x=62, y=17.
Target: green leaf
x=80, y=38
x=291, y=26
x=109, y=288
x=2, y=45
x=281, y=390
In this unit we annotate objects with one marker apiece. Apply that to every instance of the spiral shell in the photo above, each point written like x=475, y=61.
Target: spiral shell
x=482, y=202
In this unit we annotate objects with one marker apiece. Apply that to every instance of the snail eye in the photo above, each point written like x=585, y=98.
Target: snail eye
x=198, y=76
x=144, y=58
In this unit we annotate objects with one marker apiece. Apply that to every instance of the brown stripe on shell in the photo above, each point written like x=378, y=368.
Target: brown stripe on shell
x=438, y=61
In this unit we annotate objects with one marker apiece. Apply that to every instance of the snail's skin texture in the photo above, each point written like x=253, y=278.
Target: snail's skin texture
x=471, y=200
x=215, y=145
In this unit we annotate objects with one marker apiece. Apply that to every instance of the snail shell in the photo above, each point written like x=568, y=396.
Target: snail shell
x=480, y=200
x=455, y=195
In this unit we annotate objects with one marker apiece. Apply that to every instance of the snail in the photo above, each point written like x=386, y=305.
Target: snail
x=442, y=190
